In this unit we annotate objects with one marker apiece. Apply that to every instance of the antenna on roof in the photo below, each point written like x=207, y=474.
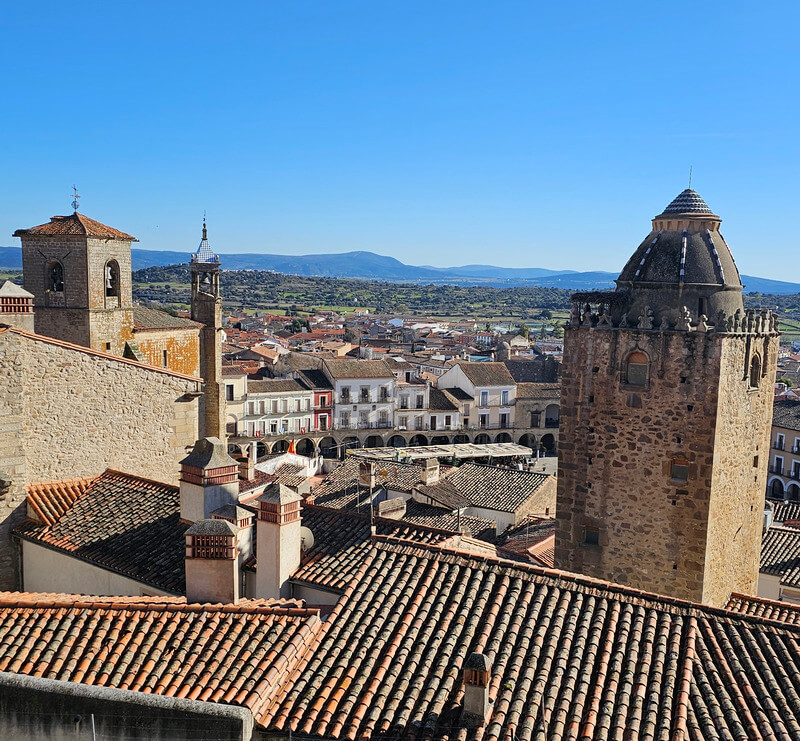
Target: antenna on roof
x=75, y=199
x=690, y=176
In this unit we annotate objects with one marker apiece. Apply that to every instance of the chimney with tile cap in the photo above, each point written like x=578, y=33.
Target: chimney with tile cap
x=278, y=541
x=16, y=306
x=209, y=480
x=430, y=471
x=477, y=676
x=212, y=563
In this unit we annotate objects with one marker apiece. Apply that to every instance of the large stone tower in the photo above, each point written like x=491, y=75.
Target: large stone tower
x=79, y=272
x=207, y=309
x=666, y=403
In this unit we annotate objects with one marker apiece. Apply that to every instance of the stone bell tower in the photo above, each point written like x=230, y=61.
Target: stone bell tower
x=79, y=272
x=666, y=406
x=207, y=309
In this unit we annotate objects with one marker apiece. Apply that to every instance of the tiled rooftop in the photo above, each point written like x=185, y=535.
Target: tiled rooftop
x=780, y=554
x=145, y=318
x=538, y=390
x=342, y=543
x=78, y=225
x=487, y=374
x=338, y=489
x=442, y=402
x=314, y=378
x=120, y=522
x=786, y=414
x=687, y=201
x=275, y=385
x=533, y=538
x=785, y=511
x=49, y=501
x=571, y=658
x=784, y=612
x=230, y=654
x=358, y=369
x=447, y=519
x=502, y=489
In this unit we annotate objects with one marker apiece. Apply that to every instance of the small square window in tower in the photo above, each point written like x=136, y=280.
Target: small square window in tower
x=636, y=369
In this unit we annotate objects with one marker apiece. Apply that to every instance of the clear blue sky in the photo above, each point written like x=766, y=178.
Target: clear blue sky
x=439, y=132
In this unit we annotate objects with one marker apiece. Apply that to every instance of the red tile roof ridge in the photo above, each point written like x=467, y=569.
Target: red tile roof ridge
x=127, y=475
x=791, y=607
x=433, y=550
x=98, y=353
x=86, y=226
x=158, y=603
x=51, y=499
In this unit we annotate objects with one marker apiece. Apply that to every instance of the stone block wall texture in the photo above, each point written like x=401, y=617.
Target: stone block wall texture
x=182, y=347
x=67, y=412
x=697, y=539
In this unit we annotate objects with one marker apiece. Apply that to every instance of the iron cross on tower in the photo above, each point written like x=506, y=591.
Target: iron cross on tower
x=75, y=199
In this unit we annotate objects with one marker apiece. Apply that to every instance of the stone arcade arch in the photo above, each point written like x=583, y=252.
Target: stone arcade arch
x=529, y=441
x=460, y=439
x=440, y=440
x=776, y=488
x=280, y=446
x=373, y=441
x=482, y=439
x=328, y=447
x=793, y=493
x=504, y=437
x=396, y=441
x=305, y=446
x=549, y=443
x=418, y=440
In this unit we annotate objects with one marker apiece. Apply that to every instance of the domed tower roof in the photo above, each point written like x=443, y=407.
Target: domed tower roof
x=684, y=261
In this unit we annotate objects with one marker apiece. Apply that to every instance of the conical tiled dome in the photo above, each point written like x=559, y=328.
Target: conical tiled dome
x=687, y=202
x=684, y=261
x=204, y=252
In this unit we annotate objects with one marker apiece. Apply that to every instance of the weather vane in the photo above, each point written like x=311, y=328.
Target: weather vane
x=75, y=199
x=690, y=176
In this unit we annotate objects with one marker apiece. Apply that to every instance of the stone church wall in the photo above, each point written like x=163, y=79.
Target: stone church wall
x=67, y=411
x=181, y=345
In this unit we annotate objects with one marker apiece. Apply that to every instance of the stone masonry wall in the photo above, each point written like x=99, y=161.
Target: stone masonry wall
x=65, y=412
x=741, y=455
x=695, y=539
x=616, y=447
x=182, y=347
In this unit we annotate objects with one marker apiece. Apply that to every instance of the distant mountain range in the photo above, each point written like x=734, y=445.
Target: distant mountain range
x=370, y=266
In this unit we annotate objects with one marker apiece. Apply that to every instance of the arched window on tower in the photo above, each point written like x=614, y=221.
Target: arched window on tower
x=54, y=276
x=111, y=282
x=636, y=369
x=755, y=371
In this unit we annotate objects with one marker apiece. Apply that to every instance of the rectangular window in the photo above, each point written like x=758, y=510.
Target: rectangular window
x=536, y=419
x=297, y=405
x=363, y=419
x=504, y=398
x=284, y=405
x=447, y=420
x=364, y=396
x=780, y=442
x=307, y=404
x=164, y=358
x=263, y=407
x=777, y=466
x=383, y=418
x=795, y=470
x=345, y=393
x=404, y=402
x=420, y=401
x=484, y=398
x=503, y=420
x=229, y=391
x=403, y=422
x=679, y=471
x=274, y=406
x=323, y=400
x=483, y=420
x=251, y=408
x=591, y=536
x=384, y=393
x=273, y=426
x=344, y=419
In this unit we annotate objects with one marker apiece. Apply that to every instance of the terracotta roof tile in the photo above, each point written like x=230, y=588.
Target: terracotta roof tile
x=358, y=369
x=78, y=225
x=502, y=489
x=122, y=523
x=447, y=519
x=145, y=318
x=487, y=374
x=342, y=542
x=571, y=657
x=231, y=654
x=786, y=414
x=780, y=554
x=782, y=612
x=49, y=501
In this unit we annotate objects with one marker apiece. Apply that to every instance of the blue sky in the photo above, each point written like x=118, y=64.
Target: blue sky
x=445, y=133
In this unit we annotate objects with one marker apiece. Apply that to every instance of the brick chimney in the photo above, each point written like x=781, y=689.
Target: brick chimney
x=278, y=541
x=247, y=466
x=16, y=306
x=477, y=675
x=430, y=471
x=209, y=480
x=212, y=563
